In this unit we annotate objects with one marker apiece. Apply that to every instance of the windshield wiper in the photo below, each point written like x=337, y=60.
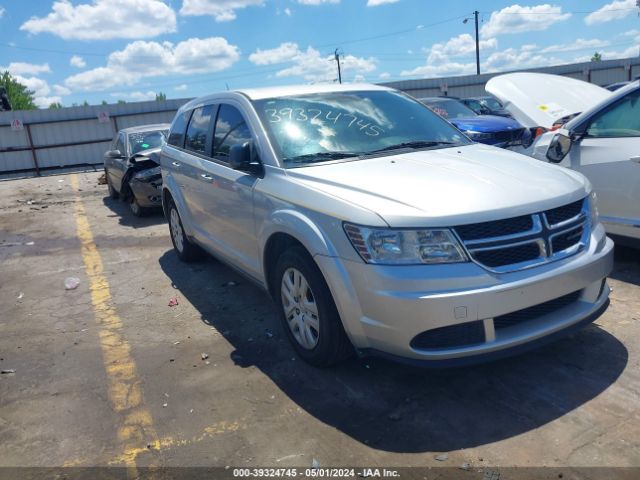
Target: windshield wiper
x=414, y=144
x=321, y=157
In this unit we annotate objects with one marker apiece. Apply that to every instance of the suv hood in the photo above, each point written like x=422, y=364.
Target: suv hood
x=485, y=123
x=446, y=187
x=540, y=99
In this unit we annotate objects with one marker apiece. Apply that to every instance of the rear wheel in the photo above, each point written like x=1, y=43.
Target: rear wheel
x=112, y=191
x=187, y=251
x=309, y=315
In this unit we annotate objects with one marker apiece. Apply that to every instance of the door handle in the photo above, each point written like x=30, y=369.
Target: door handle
x=635, y=159
x=175, y=164
x=206, y=177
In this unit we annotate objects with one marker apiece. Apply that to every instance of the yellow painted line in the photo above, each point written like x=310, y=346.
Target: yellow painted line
x=136, y=429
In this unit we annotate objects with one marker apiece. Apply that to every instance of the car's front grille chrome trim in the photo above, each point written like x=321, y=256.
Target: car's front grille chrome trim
x=544, y=242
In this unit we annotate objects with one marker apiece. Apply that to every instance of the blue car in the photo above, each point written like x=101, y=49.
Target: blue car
x=488, y=129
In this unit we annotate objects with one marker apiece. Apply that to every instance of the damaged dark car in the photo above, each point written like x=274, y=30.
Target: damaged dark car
x=132, y=167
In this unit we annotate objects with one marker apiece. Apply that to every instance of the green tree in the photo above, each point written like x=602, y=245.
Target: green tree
x=85, y=104
x=104, y=102
x=55, y=105
x=161, y=97
x=597, y=57
x=121, y=102
x=21, y=97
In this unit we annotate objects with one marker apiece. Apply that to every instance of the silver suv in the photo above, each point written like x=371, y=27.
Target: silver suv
x=378, y=227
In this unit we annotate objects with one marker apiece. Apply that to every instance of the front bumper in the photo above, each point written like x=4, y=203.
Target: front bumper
x=384, y=308
x=148, y=193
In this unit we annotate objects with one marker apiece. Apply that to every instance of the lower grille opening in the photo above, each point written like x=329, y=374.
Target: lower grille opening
x=453, y=336
x=531, y=313
x=508, y=255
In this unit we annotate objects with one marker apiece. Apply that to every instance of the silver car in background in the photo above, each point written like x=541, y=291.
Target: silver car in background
x=375, y=225
x=592, y=131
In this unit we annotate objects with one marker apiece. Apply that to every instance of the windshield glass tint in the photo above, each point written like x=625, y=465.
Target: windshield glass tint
x=449, y=108
x=140, y=141
x=312, y=128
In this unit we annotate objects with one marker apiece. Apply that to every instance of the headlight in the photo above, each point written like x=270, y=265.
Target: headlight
x=477, y=136
x=148, y=174
x=593, y=209
x=405, y=247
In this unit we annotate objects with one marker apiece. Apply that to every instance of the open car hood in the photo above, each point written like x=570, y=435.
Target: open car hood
x=540, y=99
x=151, y=154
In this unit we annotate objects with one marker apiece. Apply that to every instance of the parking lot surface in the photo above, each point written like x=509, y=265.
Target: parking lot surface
x=109, y=374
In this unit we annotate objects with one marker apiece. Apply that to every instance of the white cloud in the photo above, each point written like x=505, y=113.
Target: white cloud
x=284, y=52
x=310, y=64
x=142, y=59
x=385, y=76
x=287, y=12
x=612, y=11
x=375, y=3
x=518, y=19
x=61, y=90
x=579, y=44
x=181, y=88
x=77, y=61
x=441, y=70
x=2, y=10
x=23, y=68
x=316, y=2
x=105, y=19
x=221, y=10
x=40, y=89
x=135, y=96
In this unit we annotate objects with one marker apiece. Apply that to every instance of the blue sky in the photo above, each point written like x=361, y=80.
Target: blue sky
x=74, y=50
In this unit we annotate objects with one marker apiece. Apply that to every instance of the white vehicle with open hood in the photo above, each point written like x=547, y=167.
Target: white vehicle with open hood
x=591, y=130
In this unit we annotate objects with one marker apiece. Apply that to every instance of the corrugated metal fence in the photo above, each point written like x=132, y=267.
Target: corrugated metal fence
x=601, y=73
x=37, y=141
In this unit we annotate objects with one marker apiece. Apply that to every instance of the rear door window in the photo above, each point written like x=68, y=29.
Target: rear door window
x=198, y=134
x=176, y=135
x=231, y=129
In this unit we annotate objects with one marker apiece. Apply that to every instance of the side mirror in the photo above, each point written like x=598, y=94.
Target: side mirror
x=114, y=154
x=240, y=156
x=558, y=148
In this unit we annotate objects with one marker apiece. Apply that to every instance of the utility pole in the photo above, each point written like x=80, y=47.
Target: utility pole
x=337, y=57
x=478, y=44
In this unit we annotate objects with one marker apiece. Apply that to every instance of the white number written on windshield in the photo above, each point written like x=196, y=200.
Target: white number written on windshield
x=317, y=116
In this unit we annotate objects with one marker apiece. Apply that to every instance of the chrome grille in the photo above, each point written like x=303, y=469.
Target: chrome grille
x=526, y=241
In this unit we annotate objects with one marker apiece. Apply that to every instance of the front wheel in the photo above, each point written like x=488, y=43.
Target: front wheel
x=186, y=250
x=309, y=314
x=135, y=207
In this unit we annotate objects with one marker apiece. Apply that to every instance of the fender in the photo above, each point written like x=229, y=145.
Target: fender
x=300, y=227
x=170, y=185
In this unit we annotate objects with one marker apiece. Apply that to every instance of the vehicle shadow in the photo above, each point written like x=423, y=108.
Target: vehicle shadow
x=128, y=219
x=393, y=407
x=627, y=264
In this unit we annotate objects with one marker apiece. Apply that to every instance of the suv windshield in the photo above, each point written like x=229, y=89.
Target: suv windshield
x=329, y=126
x=140, y=141
x=449, y=108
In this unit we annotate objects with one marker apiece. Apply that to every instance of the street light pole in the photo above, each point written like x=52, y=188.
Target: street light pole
x=478, y=44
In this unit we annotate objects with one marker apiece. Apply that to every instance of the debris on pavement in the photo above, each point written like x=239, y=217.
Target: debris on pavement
x=315, y=464
x=7, y=371
x=164, y=405
x=268, y=333
x=20, y=295
x=204, y=356
x=442, y=457
x=71, y=283
x=102, y=180
x=176, y=343
x=230, y=284
x=173, y=302
x=394, y=416
x=465, y=466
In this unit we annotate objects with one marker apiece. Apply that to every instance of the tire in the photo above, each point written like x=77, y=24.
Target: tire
x=112, y=191
x=309, y=315
x=186, y=250
x=135, y=207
